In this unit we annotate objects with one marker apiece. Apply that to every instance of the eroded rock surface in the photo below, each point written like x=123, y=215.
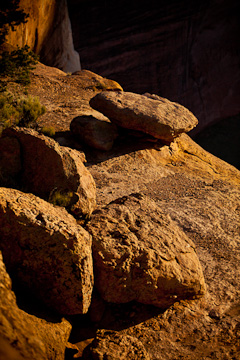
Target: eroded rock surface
x=45, y=249
x=24, y=336
x=140, y=254
x=48, y=167
x=111, y=345
x=159, y=117
x=202, y=194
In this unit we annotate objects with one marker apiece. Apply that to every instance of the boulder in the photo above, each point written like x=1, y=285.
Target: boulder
x=48, y=168
x=96, y=82
x=25, y=336
x=97, y=133
x=141, y=254
x=159, y=117
x=47, y=251
x=10, y=159
x=114, y=346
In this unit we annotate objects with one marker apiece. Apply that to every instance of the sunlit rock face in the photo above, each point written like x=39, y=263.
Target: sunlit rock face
x=48, y=32
x=185, y=51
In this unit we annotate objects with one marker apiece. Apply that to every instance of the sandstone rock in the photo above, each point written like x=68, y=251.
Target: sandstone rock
x=7, y=352
x=47, y=251
x=48, y=167
x=24, y=336
x=10, y=160
x=112, y=345
x=99, y=134
x=141, y=254
x=201, y=193
x=98, y=82
x=48, y=33
x=160, y=118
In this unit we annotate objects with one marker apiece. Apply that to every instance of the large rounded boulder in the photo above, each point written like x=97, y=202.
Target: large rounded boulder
x=46, y=251
x=141, y=254
x=49, y=170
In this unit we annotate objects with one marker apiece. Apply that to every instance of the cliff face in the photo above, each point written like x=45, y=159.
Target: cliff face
x=185, y=51
x=48, y=32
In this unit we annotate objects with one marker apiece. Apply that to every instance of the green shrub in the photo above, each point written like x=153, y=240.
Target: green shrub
x=29, y=109
x=48, y=131
x=61, y=197
x=22, y=112
x=17, y=65
x=8, y=111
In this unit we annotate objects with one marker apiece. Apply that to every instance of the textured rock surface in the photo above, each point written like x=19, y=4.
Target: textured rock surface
x=111, y=345
x=202, y=194
x=181, y=178
x=159, y=117
x=24, y=336
x=48, y=32
x=97, y=133
x=185, y=51
x=140, y=254
x=45, y=249
x=48, y=167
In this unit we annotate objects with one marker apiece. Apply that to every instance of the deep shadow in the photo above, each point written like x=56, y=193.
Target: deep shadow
x=116, y=317
x=222, y=139
x=31, y=304
x=127, y=142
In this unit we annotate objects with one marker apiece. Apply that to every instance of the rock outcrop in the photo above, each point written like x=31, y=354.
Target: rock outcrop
x=97, y=133
x=198, y=192
x=201, y=193
x=48, y=33
x=157, y=117
x=140, y=254
x=48, y=169
x=185, y=51
x=47, y=251
x=25, y=336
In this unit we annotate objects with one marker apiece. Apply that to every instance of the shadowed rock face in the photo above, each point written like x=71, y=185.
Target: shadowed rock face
x=185, y=51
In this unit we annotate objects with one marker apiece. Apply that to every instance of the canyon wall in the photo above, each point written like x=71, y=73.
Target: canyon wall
x=185, y=51
x=48, y=32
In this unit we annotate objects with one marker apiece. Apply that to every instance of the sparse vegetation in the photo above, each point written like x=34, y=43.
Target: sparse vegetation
x=48, y=131
x=29, y=109
x=61, y=197
x=16, y=66
x=8, y=111
x=22, y=111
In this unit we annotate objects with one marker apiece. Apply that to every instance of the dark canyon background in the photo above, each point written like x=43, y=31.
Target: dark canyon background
x=186, y=51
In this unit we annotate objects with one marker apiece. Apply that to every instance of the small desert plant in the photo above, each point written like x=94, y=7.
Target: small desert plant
x=22, y=112
x=8, y=111
x=61, y=197
x=48, y=131
x=29, y=109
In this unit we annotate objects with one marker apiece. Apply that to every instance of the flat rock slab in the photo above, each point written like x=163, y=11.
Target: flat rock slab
x=155, y=116
x=47, y=251
x=141, y=254
x=97, y=133
x=48, y=167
